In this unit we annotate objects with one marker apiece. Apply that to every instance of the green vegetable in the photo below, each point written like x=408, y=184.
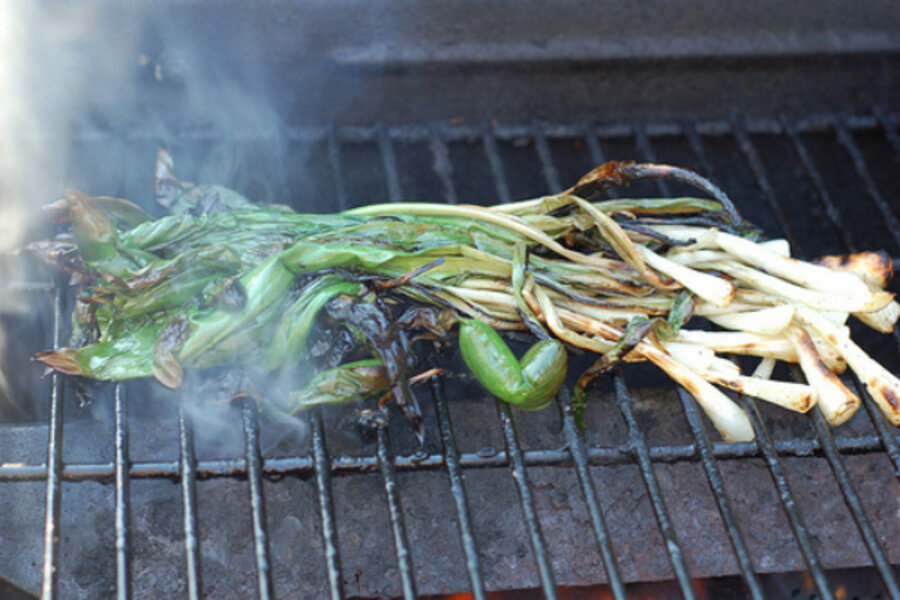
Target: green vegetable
x=224, y=281
x=530, y=383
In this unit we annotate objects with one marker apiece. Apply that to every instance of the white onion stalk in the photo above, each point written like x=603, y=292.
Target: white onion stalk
x=686, y=233
x=827, y=353
x=692, y=355
x=802, y=273
x=705, y=309
x=815, y=299
x=767, y=321
x=739, y=342
x=836, y=402
x=779, y=246
x=729, y=420
x=723, y=366
x=695, y=254
x=793, y=396
x=881, y=320
x=874, y=268
x=881, y=384
x=696, y=257
x=715, y=290
x=764, y=369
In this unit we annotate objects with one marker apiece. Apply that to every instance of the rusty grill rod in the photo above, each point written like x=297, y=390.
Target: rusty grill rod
x=523, y=485
x=304, y=466
x=798, y=526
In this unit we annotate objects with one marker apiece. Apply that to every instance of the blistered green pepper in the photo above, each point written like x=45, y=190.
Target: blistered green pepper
x=530, y=383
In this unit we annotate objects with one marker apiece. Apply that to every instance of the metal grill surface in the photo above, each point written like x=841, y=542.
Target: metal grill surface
x=825, y=182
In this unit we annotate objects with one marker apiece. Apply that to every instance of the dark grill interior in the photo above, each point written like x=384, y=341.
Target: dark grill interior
x=497, y=499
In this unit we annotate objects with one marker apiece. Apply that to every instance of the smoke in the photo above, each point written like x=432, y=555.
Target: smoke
x=89, y=91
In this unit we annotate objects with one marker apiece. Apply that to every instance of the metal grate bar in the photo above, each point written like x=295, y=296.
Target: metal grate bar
x=517, y=465
x=570, y=430
x=831, y=210
x=389, y=158
x=54, y=465
x=741, y=552
x=442, y=165
x=689, y=128
x=513, y=450
x=458, y=490
x=890, y=132
x=302, y=466
x=542, y=146
x=385, y=455
x=576, y=448
x=886, y=432
x=845, y=138
x=123, y=581
x=493, y=155
x=257, y=503
x=322, y=461
x=801, y=533
x=188, y=469
x=756, y=166
x=879, y=558
x=444, y=170
x=326, y=507
x=890, y=443
x=589, y=131
x=639, y=447
x=395, y=510
x=646, y=150
x=717, y=485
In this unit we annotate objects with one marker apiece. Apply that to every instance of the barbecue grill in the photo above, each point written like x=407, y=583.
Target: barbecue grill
x=145, y=495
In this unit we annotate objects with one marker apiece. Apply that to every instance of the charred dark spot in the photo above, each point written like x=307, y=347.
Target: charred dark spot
x=891, y=398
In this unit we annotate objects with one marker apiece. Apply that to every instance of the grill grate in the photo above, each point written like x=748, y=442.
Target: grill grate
x=636, y=450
